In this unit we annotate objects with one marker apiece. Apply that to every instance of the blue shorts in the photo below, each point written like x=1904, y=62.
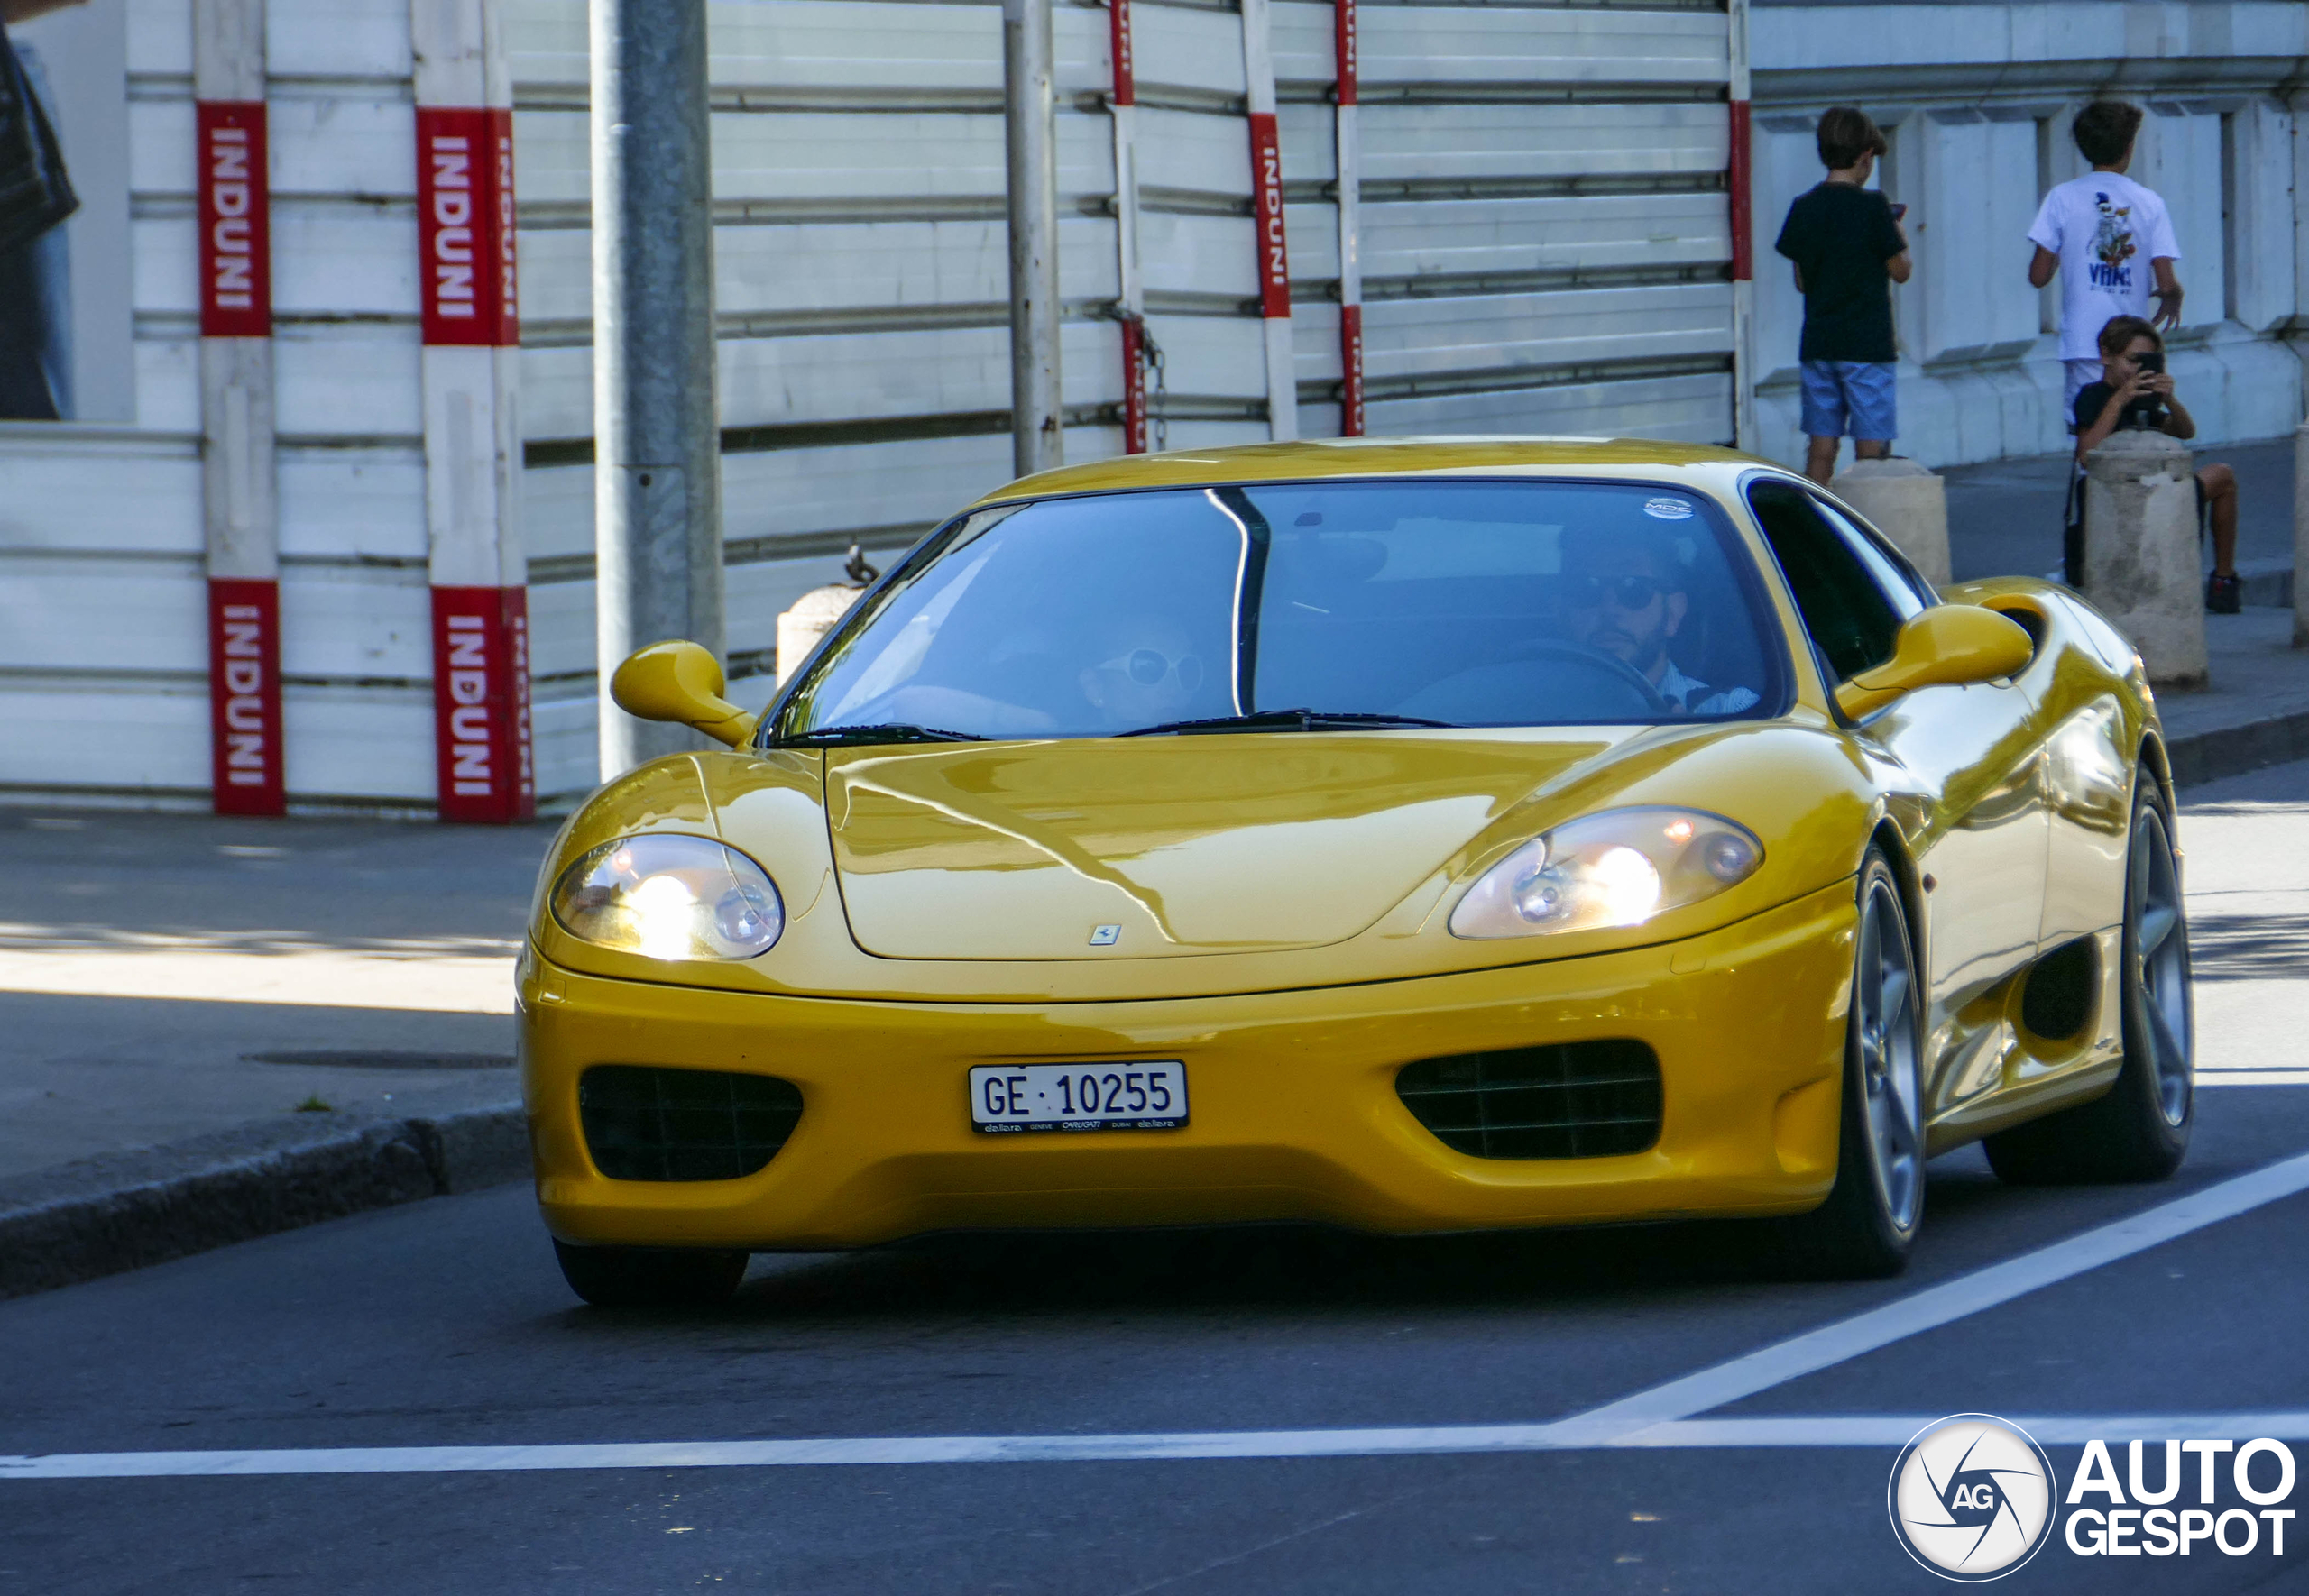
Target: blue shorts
x=1849, y=396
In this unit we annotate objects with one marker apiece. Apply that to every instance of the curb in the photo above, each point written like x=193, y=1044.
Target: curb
x=2232, y=750
x=121, y=1211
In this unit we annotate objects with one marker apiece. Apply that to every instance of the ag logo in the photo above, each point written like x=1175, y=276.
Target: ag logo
x=1972, y=1498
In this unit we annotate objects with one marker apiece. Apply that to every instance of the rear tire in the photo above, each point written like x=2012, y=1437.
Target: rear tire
x=1864, y=1231
x=2139, y=1130
x=650, y=1277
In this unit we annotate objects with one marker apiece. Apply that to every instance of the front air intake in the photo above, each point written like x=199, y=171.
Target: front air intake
x=1578, y=1099
x=644, y=1123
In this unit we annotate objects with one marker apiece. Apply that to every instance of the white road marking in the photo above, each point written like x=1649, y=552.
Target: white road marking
x=1663, y=1416
x=2253, y=1078
x=1830, y=1345
x=1798, y=1430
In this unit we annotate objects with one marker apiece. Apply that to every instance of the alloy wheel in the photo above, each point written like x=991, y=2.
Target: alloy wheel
x=1884, y=1027
x=2159, y=963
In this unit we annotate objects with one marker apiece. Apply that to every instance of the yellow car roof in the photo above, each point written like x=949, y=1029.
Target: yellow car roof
x=1362, y=457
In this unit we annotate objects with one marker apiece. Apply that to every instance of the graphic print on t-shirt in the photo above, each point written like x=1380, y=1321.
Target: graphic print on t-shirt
x=2107, y=232
x=2113, y=245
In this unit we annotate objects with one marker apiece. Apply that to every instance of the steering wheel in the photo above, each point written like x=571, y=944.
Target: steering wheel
x=1581, y=655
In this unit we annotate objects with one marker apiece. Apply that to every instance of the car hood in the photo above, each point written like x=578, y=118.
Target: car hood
x=1161, y=847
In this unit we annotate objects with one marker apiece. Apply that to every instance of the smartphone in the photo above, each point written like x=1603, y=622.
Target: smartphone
x=2146, y=410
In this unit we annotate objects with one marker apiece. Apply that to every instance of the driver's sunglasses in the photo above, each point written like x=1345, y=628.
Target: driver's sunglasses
x=1147, y=667
x=1626, y=592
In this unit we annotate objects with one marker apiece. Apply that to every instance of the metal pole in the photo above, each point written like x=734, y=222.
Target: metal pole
x=656, y=456
x=1039, y=438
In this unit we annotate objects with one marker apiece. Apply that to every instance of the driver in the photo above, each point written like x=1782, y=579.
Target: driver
x=1628, y=600
x=1148, y=671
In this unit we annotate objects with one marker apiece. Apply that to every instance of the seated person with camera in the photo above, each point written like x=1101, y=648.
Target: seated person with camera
x=2135, y=391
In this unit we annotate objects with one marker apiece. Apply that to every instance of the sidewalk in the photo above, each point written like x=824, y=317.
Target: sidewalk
x=220, y=1028
x=2004, y=516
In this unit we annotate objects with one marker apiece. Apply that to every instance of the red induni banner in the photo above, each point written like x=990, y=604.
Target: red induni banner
x=1133, y=385
x=465, y=226
x=235, y=231
x=1738, y=179
x=1350, y=310
x=244, y=696
x=1266, y=217
x=480, y=702
x=1126, y=92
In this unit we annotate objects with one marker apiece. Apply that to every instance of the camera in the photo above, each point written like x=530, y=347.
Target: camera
x=2145, y=411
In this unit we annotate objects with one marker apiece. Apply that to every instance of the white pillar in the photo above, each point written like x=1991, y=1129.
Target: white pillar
x=1267, y=222
x=1740, y=190
x=2142, y=569
x=469, y=298
x=2301, y=537
x=240, y=502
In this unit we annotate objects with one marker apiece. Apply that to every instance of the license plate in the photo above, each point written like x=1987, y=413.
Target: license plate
x=1009, y=1098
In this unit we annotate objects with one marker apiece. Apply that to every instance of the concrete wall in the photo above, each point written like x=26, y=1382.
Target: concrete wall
x=1976, y=99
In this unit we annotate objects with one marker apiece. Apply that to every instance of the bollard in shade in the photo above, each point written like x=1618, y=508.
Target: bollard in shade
x=2142, y=568
x=1906, y=504
x=811, y=617
x=815, y=613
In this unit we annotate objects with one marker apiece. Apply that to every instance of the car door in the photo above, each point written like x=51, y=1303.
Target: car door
x=1970, y=752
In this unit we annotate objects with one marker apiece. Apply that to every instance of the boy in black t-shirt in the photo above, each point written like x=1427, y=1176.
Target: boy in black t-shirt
x=1845, y=241
x=2101, y=409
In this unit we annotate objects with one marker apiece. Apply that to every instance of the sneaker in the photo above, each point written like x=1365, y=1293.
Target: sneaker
x=2223, y=594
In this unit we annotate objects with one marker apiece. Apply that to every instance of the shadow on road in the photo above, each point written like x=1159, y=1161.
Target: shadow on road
x=1283, y=1267
x=2249, y=946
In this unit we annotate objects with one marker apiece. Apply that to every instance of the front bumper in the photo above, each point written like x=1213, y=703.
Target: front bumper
x=1294, y=1111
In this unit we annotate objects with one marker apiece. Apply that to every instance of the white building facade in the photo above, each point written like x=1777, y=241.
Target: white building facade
x=1976, y=100
x=1539, y=239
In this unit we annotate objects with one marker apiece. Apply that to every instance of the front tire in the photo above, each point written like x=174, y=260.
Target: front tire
x=1871, y=1218
x=650, y=1277
x=2139, y=1130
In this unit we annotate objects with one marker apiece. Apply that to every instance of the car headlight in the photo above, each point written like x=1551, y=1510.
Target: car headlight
x=1619, y=867
x=670, y=897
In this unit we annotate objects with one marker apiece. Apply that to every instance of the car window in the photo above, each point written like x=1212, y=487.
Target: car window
x=1910, y=593
x=1467, y=603
x=1852, y=620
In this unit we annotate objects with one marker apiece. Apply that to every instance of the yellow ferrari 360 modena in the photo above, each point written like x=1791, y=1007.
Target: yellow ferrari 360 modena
x=1405, y=835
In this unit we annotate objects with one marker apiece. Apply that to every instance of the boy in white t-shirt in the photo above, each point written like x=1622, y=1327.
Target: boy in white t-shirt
x=2108, y=238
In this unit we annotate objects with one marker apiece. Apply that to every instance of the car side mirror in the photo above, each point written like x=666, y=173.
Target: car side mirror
x=1947, y=646
x=681, y=683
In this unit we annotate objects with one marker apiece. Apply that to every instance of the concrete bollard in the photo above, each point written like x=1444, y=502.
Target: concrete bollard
x=811, y=618
x=1906, y=504
x=2142, y=568
x=2301, y=538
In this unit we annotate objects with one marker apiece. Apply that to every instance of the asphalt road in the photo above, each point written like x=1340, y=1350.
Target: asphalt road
x=2004, y=516
x=445, y=1326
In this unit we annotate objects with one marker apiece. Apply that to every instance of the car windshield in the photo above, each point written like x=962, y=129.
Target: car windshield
x=1305, y=606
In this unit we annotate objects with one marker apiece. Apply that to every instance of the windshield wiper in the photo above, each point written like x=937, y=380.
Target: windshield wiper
x=831, y=737
x=1300, y=719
